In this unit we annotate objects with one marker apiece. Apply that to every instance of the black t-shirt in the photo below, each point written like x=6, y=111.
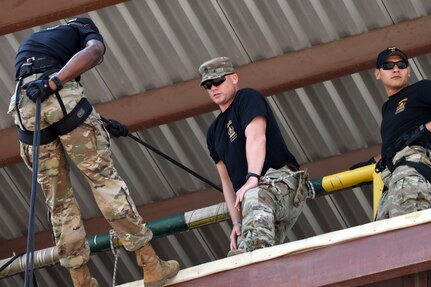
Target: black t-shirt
x=60, y=42
x=405, y=111
x=226, y=136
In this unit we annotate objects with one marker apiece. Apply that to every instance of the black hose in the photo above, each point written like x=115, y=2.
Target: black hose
x=4, y=266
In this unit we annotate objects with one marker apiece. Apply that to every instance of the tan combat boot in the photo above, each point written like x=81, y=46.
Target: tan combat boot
x=156, y=271
x=81, y=277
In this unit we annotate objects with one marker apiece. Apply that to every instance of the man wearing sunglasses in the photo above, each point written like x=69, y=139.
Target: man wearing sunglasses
x=405, y=154
x=263, y=188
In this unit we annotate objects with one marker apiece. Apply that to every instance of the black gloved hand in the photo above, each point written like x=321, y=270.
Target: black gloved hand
x=38, y=89
x=117, y=129
x=364, y=163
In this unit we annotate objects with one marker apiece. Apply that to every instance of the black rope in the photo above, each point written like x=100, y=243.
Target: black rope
x=195, y=174
x=3, y=267
x=15, y=257
x=29, y=264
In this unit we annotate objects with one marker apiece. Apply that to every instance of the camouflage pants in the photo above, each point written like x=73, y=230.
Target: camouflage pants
x=408, y=190
x=88, y=147
x=268, y=212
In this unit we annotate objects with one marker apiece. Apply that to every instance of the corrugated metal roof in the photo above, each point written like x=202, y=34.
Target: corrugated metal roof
x=152, y=44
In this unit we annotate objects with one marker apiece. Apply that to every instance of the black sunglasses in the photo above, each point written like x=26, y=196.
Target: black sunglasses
x=214, y=82
x=390, y=65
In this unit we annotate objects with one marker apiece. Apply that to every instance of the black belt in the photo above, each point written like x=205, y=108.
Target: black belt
x=420, y=167
x=35, y=65
x=47, y=135
x=64, y=126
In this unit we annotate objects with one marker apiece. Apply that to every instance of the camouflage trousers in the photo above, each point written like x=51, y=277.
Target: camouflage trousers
x=88, y=148
x=268, y=211
x=408, y=190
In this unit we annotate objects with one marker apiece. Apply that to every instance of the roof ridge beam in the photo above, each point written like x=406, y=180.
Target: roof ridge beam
x=271, y=76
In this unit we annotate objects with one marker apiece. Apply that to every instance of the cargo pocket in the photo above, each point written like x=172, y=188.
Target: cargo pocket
x=102, y=141
x=26, y=154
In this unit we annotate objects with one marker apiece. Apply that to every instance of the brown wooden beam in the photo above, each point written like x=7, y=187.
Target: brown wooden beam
x=271, y=76
x=276, y=75
x=354, y=263
x=19, y=15
x=187, y=202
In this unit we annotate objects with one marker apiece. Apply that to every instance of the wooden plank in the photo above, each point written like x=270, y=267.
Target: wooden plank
x=386, y=249
x=20, y=15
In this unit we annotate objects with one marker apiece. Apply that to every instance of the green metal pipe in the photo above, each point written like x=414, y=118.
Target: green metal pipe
x=168, y=225
x=189, y=220
x=216, y=213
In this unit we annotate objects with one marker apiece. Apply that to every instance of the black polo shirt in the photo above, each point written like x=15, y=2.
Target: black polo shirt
x=60, y=42
x=226, y=136
x=405, y=111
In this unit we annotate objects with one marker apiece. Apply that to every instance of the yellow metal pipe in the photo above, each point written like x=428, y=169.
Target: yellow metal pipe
x=378, y=186
x=348, y=179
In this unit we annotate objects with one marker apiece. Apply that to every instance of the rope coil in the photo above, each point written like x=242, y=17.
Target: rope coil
x=115, y=248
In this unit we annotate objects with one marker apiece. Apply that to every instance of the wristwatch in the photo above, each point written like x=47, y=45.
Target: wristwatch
x=57, y=83
x=251, y=174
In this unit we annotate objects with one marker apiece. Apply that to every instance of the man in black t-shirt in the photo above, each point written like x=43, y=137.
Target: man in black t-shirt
x=406, y=120
x=48, y=65
x=260, y=177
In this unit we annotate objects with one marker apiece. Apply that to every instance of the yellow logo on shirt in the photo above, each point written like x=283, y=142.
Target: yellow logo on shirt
x=401, y=106
x=230, y=131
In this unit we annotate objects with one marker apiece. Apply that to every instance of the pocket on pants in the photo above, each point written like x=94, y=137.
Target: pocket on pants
x=101, y=139
x=26, y=154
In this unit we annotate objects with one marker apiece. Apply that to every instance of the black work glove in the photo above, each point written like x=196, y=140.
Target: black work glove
x=38, y=89
x=117, y=129
x=364, y=163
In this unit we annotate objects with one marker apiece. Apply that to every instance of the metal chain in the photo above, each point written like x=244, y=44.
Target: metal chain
x=115, y=248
